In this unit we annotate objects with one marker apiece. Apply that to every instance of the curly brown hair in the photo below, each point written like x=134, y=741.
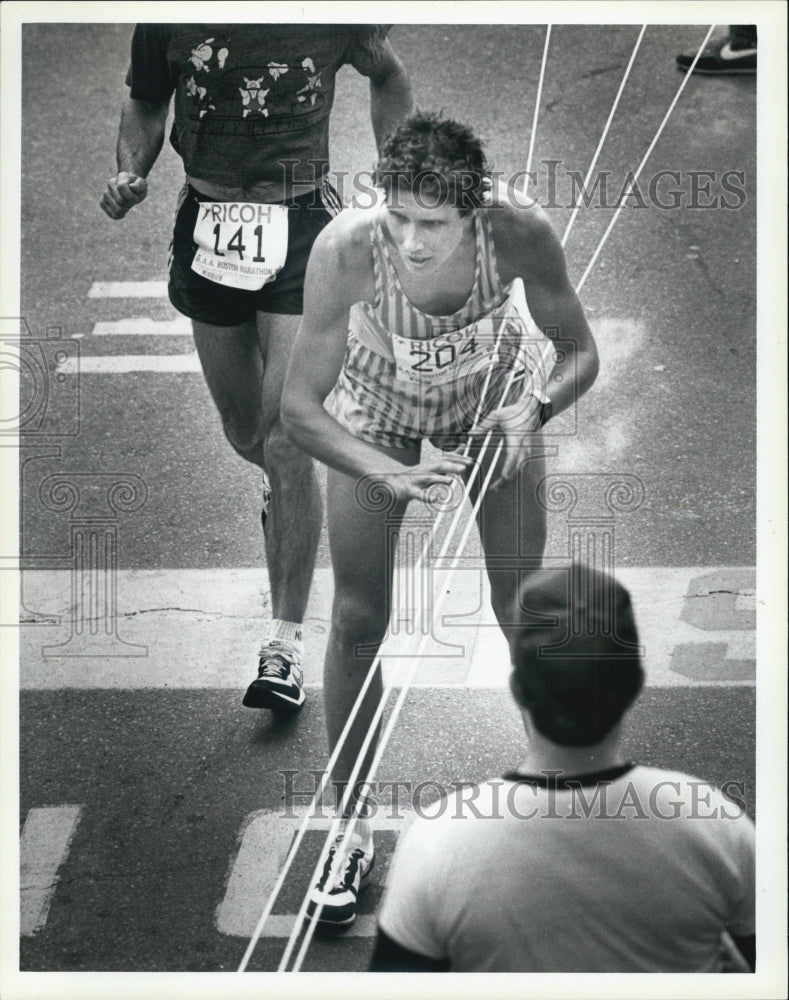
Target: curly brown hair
x=434, y=156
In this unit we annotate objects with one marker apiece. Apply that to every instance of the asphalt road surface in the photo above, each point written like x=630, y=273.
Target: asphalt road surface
x=151, y=801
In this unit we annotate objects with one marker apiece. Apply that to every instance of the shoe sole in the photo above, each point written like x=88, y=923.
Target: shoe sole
x=718, y=72
x=262, y=697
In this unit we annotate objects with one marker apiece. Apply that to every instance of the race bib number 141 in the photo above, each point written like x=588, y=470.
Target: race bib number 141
x=241, y=244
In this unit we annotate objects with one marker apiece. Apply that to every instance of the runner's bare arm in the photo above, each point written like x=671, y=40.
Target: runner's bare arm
x=527, y=246
x=140, y=139
x=334, y=281
x=339, y=274
x=390, y=94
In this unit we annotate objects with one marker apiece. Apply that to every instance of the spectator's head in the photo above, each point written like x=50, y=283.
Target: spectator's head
x=575, y=656
x=436, y=160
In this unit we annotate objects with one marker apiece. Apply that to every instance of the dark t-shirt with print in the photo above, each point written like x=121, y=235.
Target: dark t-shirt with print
x=252, y=101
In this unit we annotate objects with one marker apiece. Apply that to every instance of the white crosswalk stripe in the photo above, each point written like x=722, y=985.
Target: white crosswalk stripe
x=697, y=626
x=43, y=847
x=141, y=326
x=121, y=364
x=264, y=846
x=128, y=290
x=133, y=326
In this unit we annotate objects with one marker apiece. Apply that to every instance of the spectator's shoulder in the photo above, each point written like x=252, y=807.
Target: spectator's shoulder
x=698, y=798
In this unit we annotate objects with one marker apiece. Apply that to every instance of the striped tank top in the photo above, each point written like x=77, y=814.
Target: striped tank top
x=408, y=375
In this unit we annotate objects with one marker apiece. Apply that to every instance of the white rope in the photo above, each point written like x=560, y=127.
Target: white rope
x=652, y=145
x=404, y=692
x=533, y=135
x=350, y=821
x=606, y=127
x=277, y=888
x=335, y=827
x=334, y=756
x=405, y=686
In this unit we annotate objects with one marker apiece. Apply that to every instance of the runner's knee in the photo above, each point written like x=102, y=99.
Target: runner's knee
x=245, y=438
x=358, y=619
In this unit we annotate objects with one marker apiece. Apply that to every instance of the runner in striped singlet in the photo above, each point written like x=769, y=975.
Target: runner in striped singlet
x=397, y=405
x=412, y=309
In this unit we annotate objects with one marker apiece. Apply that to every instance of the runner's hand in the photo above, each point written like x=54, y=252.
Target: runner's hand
x=516, y=427
x=417, y=482
x=124, y=191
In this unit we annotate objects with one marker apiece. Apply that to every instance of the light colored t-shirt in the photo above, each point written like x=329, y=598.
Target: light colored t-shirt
x=639, y=873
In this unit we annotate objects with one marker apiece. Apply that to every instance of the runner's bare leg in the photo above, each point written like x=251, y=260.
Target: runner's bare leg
x=295, y=517
x=363, y=571
x=513, y=530
x=233, y=368
x=244, y=367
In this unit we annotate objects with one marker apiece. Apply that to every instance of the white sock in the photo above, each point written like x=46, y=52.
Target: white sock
x=362, y=828
x=291, y=631
x=365, y=830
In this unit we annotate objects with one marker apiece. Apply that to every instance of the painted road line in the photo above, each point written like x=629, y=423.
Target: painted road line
x=265, y=840
x=695, y=624
x=141, y=326
x=44, y=845
x=224, y=613
x=128, y=290
x=122, y=364
x=697, y=627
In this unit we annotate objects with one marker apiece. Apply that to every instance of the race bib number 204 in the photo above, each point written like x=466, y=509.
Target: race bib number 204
x=240, y=244
x=507, y=335
x=445, y=358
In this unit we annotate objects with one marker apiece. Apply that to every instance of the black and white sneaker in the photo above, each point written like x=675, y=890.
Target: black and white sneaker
x=280, y=680
x=333, y=899
x=723, y=58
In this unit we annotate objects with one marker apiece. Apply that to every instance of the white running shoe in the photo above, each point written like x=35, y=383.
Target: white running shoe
x=335, y=899
x=280, y=680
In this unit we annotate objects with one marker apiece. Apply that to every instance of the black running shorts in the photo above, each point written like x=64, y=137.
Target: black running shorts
x=208, y=302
